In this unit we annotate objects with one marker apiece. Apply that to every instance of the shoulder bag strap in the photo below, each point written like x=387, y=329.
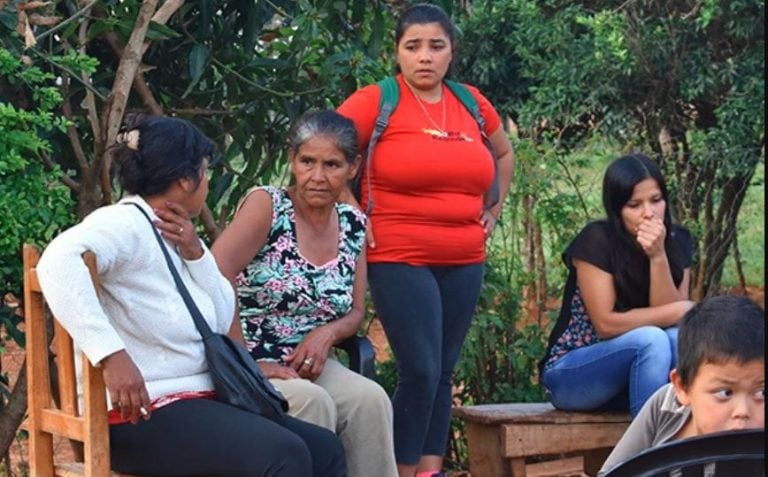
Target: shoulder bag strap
x=197, y=317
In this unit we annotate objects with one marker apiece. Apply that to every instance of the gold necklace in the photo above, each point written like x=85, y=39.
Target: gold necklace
x=440, y=130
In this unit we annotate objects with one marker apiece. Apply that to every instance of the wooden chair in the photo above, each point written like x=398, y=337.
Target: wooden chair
x=724, y=454
x=46, y=419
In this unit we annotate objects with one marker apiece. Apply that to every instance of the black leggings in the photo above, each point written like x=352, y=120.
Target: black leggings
x=204, y=437
x=426, y=312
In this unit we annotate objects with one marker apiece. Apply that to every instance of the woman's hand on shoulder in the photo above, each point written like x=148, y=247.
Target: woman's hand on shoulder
x=274, y=370
x=126, y=386
x=176, y=226
x=651, y=235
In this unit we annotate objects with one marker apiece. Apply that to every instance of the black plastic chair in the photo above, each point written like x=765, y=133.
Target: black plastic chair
x=361, y=355
x=723, y=454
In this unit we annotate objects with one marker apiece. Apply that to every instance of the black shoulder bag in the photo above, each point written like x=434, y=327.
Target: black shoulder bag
x=237, y=378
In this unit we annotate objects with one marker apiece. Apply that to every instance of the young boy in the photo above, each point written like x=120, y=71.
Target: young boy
x=718, y=385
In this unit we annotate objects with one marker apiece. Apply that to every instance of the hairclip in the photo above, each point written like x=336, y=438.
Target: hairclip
x=129, y=138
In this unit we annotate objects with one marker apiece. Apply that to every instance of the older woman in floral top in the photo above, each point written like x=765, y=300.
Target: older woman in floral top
x=302, y=255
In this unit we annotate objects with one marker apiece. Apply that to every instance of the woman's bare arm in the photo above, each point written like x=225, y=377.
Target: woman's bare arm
x=245, y=235
x=599, y=294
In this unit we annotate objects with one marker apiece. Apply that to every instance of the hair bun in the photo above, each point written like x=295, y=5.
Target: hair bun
x=129, y=138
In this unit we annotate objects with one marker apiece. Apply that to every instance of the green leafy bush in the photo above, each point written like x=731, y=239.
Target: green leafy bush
x=33, y=202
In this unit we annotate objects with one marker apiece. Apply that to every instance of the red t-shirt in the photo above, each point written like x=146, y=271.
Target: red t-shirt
x=427, y=189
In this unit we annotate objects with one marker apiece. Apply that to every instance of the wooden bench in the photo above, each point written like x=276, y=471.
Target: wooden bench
x=502, y=436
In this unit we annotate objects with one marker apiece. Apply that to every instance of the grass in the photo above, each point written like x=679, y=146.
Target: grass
x=751, y=235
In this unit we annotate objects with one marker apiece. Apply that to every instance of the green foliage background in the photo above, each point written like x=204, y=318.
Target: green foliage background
x=33, y=202
x=582, y=81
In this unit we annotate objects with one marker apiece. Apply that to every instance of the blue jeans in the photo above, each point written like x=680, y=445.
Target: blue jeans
x=426, y=312
x=634, y=365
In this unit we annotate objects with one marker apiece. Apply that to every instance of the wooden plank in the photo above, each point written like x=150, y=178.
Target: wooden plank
x=72, y=469
x=65, y=365
x=517, y=467
x=484, y=445
x=540, y=439
x=533, y=413
x=96, y=427
x=34, y=283
x=77, y=469
x=95, y=403
x=569, y=466
x=38, y=377
x=62, y=424
x=595, y=459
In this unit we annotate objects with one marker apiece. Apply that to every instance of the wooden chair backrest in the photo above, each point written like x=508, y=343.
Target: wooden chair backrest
x=46, y=419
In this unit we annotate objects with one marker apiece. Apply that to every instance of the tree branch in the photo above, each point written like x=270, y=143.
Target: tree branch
x=90, y=99
x=212, y=229
x=15, y=409
x=139, y=84
x=167, y=10
x=121, y=88
x=200, y=112
x=74, y=138
x=142, y=89
x=68, y=181
x=66, y=22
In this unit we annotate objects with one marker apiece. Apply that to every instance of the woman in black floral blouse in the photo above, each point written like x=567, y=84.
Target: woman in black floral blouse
x=629, y=274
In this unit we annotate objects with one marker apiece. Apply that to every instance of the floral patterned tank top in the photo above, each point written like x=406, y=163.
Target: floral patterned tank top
x=283, y=295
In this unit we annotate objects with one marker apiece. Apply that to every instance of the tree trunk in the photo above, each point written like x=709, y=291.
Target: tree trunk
x=530, y=294
x=14, y=411
x=723, y=231
x=542, y=289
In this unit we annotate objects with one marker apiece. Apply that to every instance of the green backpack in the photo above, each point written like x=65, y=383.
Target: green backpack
x=390, y=95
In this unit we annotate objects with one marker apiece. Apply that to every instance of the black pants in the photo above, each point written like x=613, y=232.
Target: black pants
x=203, y=437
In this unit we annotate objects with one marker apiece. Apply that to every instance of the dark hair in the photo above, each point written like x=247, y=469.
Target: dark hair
x=619, y=182
x=326, y=123
x=168, y=149
x=420, y=14
x=717, y=330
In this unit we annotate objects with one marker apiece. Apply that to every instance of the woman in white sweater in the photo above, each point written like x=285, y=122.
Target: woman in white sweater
x=164, y=416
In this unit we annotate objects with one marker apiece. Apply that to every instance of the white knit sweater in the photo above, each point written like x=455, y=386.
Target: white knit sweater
x=139, y=308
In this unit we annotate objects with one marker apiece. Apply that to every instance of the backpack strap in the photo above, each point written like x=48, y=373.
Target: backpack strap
x=466, y=98
x=390, y=95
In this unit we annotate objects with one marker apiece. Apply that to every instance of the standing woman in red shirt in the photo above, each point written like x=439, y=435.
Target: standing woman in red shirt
x=429, y=175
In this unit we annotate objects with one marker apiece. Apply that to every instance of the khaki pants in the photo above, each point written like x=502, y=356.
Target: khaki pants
x=354, y=407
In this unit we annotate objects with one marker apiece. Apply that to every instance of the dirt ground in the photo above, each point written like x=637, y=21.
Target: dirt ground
x=16, y=463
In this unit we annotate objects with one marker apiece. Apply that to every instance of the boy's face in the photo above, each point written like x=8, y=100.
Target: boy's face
x=724, y=396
